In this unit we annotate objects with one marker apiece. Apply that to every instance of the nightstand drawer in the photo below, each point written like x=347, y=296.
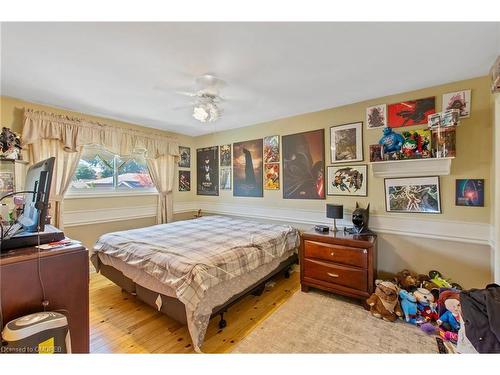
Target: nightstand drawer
x=336, y=274
x=351, y=256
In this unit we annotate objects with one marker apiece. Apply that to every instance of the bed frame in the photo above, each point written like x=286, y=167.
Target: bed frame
x=174, y=308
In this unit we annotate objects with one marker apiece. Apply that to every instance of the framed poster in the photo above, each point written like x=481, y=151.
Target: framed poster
x=458, y=100
x=304, y=165
x=413, y=194
x=184, y=180
x=184, y=157
x=346, y=142
x=247, y=168
x=225, y=178
x=225, y=156
x=469, y=192
x=272, y=149
x=272, y=176
x=376, y=116
x=6, y=183
x=207, y=165
x=411, y=112
x=349, y=180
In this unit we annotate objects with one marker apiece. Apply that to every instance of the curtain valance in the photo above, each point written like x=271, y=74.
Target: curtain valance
x=74, y=133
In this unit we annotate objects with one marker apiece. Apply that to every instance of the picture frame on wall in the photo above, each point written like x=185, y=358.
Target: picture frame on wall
x=348, y=180
x=225, y=178
x=376, y=116
x=410, y=112
x=184, y=180
x=346, y=143
x=248, y=168
x=207, y=165
x=272, y=149
x=225, y=155
x=184, y=157
x=460, y=100
x=413, y=195
x=469, y=192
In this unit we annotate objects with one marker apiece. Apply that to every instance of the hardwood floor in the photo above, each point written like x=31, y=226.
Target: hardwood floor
x=120, y=323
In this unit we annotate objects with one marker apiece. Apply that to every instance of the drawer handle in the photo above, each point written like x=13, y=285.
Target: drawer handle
x=332, y=253
x=332, y=274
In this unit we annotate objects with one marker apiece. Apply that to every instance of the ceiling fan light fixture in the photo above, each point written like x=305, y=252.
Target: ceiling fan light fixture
x=206, y=112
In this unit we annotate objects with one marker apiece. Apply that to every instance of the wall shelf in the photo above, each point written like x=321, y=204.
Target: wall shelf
x=412, y=167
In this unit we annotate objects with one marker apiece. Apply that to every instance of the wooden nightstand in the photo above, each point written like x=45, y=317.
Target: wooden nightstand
x=338, y=262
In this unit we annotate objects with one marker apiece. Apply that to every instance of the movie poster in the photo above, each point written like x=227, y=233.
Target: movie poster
x=247, y=168
x=225, y=155
x=207, y=165
x=304, y=165
x=469, y=192
x=411, y=112
x=225, y=178
x=184, y=157
x=184, y=180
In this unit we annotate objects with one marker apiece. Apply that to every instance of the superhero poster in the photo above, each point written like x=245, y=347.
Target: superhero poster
x=411, y=112
x=348, y=180
x=304, y=165
x=272, y=149
x=184, y=180
x=207, y=165
x=247, y=169
x=272, y=176
x=469, y=192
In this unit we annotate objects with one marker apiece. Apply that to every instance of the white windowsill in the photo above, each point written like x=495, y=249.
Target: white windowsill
x=109, y=194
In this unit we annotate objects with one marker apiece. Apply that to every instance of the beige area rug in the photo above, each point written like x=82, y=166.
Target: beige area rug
x=318, y=322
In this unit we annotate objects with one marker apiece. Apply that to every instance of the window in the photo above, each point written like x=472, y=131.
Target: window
x=101, y=171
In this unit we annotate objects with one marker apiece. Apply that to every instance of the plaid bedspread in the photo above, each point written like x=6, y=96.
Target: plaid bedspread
x=194, y=255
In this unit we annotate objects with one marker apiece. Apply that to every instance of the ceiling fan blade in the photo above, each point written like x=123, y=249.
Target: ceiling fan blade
x=187, y=93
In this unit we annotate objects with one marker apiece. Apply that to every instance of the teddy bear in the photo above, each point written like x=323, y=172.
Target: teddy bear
x=409, y=306
x=384, y=303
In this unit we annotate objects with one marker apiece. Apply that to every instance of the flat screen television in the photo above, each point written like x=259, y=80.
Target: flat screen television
x=38, y=180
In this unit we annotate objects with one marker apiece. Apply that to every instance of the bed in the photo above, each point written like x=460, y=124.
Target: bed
x=194, y=269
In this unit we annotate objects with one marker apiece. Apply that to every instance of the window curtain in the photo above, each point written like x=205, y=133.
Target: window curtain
x=64, y=137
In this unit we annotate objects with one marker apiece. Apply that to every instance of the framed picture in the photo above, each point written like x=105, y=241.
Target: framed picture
x=225, y=156
x=346, y=142
x=207, y=165
x=458, y=100
x=184, y=157
x=272, y=149
x=225, y=178
x=376, y=153
x=247, y=169
x=413, y=194
x=184, y=180
x=272, y=176
x=304, y=165
x=376, y=116
x=6, y=183
x=348, y=180
x=411, y=112
x=469, y=192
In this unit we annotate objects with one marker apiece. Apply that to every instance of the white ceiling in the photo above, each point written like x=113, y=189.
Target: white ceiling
x=273, y=70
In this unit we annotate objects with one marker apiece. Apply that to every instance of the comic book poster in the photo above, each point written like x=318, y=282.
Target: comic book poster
x=348, y=180
x=272, y=149
x=225, y=178
x=184, y=180
x=272, y=176
x=225, y=156
x=411, y=112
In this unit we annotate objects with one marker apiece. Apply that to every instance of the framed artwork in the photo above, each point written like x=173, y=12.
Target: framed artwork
x=413, y=194
x=458, y=100
x=272, y=149
x=184, y=180
x=6, y=183
x=376, y=153
x=304, y=165
x=225, y=178
x=184, y=157
x=346, y=142
x=376, y=116
x=225, y=156
x=247, y=168
x=272, y=176
x=207, y=165
x=411, y=112
x=469, y=192
x=348, y=180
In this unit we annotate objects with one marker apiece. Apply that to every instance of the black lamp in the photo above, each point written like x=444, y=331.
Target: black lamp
x=335, y=211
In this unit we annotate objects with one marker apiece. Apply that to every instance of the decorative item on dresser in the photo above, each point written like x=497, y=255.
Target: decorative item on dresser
x=335, y=211
x=339, y=262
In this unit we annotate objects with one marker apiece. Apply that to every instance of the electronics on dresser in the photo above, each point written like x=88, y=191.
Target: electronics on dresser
x=27, y=239
x=38, y=333
x=322, y=228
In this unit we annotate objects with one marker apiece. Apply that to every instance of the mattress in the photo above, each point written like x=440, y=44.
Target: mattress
x=201, y=262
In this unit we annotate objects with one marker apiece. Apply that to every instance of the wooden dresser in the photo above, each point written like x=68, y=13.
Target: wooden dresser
x=65, y=275
x=339, y=262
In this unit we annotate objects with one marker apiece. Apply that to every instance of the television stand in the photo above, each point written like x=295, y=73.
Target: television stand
x=28, y=239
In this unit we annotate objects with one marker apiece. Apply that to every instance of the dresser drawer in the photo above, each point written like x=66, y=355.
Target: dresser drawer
x=336, y=274
x=351, y=256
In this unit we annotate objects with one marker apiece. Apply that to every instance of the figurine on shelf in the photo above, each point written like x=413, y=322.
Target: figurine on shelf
x=10, y=145
x=391, y=141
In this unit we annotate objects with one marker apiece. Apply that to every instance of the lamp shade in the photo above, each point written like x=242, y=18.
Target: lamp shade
x=334, y=211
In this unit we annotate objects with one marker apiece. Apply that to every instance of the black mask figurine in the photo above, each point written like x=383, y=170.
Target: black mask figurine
x=360, y=218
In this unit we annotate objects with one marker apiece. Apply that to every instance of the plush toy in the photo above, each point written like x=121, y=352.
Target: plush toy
x=426, y=305
x=450, y=319
x=409, y=306
x=391, y=141
x=384, y=303
x=407, y=280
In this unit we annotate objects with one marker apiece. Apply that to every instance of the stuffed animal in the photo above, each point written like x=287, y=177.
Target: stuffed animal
x=426, y=305
x=409, y=306
x=407, y=280
x=450, y=319
x=384, y=303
